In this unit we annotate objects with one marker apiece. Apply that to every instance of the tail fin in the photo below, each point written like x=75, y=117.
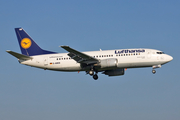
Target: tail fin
x=27, y=44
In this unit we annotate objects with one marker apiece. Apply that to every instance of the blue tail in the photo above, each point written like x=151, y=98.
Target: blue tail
x=27, y=44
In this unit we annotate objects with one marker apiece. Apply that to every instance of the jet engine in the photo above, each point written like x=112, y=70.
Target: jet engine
x=106, y=63
x=116, y=72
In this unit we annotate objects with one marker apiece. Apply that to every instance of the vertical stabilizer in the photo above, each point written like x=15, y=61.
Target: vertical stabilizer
x=27, y=44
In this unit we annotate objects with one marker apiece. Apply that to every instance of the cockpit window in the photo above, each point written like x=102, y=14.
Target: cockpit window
x=160, y=52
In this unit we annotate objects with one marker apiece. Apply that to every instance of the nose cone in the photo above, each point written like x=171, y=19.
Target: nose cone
x=169, y=58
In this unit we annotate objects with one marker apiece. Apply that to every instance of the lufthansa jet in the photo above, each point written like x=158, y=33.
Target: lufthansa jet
x=108, y=62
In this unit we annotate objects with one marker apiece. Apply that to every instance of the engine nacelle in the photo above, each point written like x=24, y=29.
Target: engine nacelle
x=116, y=72
x=107, y=63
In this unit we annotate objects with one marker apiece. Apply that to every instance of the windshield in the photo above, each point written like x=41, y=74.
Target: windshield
x=160, y=52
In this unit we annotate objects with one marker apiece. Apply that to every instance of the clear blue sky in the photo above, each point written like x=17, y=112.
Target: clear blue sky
x=28, y=93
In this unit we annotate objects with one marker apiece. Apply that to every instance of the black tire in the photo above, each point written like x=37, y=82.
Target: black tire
x=153, y=71
x=95, y=77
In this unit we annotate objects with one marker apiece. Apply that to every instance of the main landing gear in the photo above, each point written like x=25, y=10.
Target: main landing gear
x=95, y=77
x=91, y=72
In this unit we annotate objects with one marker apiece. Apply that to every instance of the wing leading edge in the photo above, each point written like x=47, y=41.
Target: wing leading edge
x=79, y=56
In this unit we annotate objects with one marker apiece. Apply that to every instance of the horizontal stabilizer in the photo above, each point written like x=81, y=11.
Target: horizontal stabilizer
x=19, y=56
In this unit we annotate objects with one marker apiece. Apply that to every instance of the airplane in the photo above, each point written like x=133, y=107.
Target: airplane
x=109, y=62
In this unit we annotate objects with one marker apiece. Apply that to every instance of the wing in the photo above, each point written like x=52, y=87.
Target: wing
x=79, y=56
x=19, y=56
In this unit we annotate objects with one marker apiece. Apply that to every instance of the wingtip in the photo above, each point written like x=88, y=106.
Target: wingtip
x=8, y=51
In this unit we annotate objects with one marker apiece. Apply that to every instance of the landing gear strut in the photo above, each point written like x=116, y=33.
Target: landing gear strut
x=92, y=72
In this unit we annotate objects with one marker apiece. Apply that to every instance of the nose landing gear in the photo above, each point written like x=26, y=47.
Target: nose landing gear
x=155, y=66
x=153, y=71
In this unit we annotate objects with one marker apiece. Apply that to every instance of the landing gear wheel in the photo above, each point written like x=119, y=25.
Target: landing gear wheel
x=95, y=77
x=91, y=72
x=153, y=71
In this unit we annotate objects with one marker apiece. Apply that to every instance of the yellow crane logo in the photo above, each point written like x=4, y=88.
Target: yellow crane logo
x=26, y=43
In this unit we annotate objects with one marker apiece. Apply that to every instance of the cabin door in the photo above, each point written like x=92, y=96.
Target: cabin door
x=149, y=54
x=45, y=61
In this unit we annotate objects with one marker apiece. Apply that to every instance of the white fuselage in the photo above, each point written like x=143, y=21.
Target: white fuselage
x=128, y=58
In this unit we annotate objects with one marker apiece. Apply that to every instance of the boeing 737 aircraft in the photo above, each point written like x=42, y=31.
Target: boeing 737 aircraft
x=109, y=62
